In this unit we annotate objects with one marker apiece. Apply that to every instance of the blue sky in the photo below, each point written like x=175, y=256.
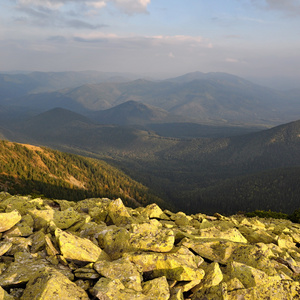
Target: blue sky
x=243, y=37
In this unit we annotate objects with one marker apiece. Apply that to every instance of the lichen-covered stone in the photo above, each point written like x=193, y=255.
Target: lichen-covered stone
x=176, y=293
x=274, y=289
x=114, y=252
x=234, y=284
x=20, y=229
x=232, y=234
x=4, y=247
x=8, y=220
x=49, y=247
x=152, y=211
x=151, y=237
x=4, y=295
x=62, y=219
x=285, y=241
x=157, y=289
x=181, y=219
x=113, y=289
x=257, y=255
x=173, y=266
x=19, y=244
x=86, y=273
x=257, y=236
x=118, y=213
x=214, y=250
x=115, y=241
x=213, y=276
x=121, y=269
x=37, y=241
x=49, y=284
x=21, y=271
x=20, y=203
x=248, y=276
x=78, y=249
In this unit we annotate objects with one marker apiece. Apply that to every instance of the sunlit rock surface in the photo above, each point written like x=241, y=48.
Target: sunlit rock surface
x=100, y=249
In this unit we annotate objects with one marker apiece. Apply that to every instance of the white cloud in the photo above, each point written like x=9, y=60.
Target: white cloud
x=126, y=6
x=97, y=4
x=132, y=6
x=54, y=4
x=145, y=41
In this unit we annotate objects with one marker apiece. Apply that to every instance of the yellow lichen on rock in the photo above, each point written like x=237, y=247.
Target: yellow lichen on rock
x=247, y=275
x=4, y=295
x=76, y=248
x=118, y=212
x=100, y=249
x=121, y=269
x=157, y=289
x=231, y=234
x=8, y=220
x=49, y=284
x=173, y=266
x=151, y=237
x=113, y=289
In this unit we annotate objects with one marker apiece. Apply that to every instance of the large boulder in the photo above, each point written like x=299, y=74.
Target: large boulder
x=79, y=249
x=121, y=269
x=8, y=220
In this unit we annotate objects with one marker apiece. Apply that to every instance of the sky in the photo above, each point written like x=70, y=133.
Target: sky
x=243, y=37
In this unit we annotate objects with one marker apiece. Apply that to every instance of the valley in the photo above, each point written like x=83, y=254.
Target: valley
x=231, y=154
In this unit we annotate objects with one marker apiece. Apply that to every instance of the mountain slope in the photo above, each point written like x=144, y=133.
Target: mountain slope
x=133, y=113
x=55, y=119
x=31, y=169
x=276, y=190
x=177, y=169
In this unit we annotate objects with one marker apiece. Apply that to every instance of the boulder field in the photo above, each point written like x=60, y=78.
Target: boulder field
x=100, y=249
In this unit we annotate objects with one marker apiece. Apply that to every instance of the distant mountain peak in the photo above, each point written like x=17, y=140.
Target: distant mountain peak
x=133, y=113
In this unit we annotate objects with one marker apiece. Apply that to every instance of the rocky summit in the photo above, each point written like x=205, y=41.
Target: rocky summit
x=100, y=249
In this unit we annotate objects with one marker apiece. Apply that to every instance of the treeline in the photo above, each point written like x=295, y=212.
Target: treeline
x=27, y=169
x=275, y=190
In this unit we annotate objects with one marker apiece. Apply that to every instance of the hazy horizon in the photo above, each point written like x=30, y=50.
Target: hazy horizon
x=248, y=38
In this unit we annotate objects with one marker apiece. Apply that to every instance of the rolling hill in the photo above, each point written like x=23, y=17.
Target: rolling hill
x=28, y=169
x=179, y=170
x=134, y=113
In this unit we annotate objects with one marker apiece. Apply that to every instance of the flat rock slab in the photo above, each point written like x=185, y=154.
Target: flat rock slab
x=9, y=220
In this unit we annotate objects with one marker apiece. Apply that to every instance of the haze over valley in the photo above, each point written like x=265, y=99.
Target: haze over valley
x=199, y=141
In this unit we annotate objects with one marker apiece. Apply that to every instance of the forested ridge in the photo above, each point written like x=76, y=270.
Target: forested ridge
x=241, y=173
x=27, y=169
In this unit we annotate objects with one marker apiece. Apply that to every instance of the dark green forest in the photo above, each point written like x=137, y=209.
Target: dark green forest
x=26, y=169
x=242, y=173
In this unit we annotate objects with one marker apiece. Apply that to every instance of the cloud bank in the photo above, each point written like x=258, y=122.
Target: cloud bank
x=126, y=6
x=290, y=7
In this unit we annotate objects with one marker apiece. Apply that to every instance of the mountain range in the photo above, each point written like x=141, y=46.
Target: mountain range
x=200, y=141
x=182, y=171
x=211, y=99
